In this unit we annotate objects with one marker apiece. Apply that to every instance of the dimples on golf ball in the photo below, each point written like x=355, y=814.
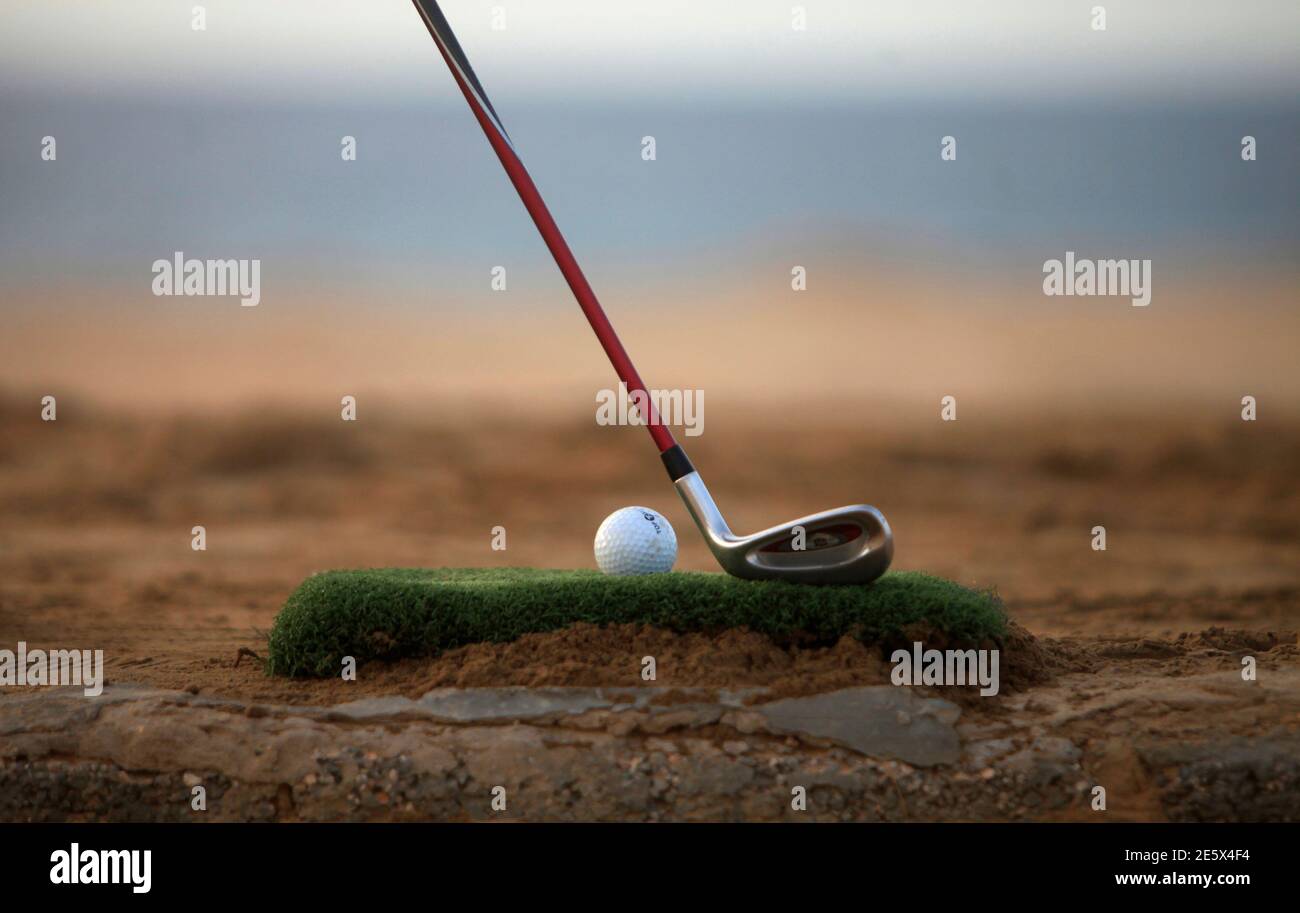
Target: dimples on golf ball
x=635, y=540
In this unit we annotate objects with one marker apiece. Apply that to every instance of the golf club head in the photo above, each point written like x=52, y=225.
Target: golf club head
x=847, y=545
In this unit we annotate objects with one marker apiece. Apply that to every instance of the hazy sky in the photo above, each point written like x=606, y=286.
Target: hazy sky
x=297, y=50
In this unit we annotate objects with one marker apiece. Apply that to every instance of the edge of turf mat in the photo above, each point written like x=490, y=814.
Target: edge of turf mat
x=390, y=613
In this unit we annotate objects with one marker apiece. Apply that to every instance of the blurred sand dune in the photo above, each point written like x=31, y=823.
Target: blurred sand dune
x=840, y=352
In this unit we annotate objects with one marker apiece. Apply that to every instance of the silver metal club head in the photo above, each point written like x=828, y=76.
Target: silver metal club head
x=846, y=545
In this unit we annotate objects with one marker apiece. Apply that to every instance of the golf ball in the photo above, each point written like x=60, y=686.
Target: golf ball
x=635, y=540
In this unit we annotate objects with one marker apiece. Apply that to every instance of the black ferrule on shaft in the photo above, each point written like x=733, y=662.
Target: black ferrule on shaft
x=676, y=462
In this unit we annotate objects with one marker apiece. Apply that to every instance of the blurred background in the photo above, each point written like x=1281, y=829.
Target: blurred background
x=775, y=147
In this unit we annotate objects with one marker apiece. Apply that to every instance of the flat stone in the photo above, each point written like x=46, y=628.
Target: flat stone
x=516, y=703
x=377, y=708
x=467, y=705
x=990, y=750
x=881, y=721
x=1042, y=753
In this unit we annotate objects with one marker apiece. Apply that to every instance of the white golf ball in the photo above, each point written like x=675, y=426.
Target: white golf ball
x=635, y=540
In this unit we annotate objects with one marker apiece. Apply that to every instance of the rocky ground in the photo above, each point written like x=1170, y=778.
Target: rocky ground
x=1201, y=746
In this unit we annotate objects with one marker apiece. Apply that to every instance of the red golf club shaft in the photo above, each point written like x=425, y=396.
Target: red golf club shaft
x=542, y=218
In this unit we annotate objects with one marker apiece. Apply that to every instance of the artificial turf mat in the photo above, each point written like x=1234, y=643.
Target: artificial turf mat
x=393, y=612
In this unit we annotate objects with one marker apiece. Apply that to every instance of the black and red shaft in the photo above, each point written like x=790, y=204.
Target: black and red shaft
x=672, y=454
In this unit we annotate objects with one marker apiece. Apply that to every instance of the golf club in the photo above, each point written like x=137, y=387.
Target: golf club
x=846, y=545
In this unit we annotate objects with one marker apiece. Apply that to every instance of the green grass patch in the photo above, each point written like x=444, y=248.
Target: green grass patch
x=394, y=612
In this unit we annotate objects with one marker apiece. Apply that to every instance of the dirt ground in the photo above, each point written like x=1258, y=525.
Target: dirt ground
x=1202, y=565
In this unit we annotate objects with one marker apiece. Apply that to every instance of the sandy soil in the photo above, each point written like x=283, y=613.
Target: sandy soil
x=1201, y=519
x=1201, y=509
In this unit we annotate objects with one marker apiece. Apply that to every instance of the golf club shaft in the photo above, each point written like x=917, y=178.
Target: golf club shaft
x=487, y=118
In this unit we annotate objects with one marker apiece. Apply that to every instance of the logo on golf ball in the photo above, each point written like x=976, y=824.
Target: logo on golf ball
x=635, y=540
